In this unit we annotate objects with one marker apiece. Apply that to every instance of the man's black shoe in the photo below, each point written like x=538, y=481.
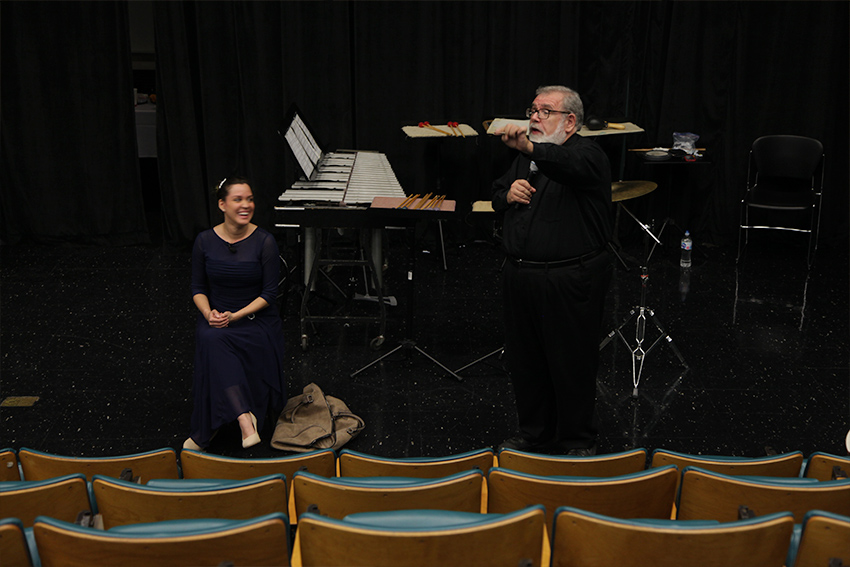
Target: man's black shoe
x=521, y=444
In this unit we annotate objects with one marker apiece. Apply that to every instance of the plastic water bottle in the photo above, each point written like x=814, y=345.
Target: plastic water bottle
x=687, y=246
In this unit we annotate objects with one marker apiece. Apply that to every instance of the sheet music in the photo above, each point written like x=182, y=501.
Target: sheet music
x=499, y=123
x=303, y=145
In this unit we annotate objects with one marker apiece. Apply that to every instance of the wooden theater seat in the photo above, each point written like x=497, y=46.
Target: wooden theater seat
x=824, y=536
x=784, y=465
x=614, y=464
x=14, y=550
x=825, y=466
x=261, y=541
x=9, y=465
x=646, y=494
x=423, y=538
x=160, y=463
x=120, y=502
x=62, y=497
x=714, y=496
x=338, y=497
x=352, y=463
x=585, y=539
x=200, y=465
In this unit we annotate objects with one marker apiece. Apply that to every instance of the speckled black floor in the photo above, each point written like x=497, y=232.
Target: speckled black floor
x=104, y=338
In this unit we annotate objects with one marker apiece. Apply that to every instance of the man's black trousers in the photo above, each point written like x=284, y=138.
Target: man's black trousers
x=553, y=327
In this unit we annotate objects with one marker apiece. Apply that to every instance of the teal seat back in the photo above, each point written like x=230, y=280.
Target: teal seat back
x=388, y=481
x=194, y=526
x=419, y=519
x=201, y=484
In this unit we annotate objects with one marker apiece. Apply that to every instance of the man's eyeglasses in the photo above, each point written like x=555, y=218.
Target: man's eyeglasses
x=543, y=113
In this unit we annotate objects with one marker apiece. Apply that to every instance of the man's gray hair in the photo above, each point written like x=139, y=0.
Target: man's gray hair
x=571, y=101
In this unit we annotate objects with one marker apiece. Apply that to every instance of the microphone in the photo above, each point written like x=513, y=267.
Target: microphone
x=532, y=173
x=231, y=248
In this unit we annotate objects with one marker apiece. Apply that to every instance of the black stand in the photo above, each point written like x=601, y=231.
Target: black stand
x=368, y=265
x=409, y=344
x=439, y=191
x=640, y=313
x=499, y=351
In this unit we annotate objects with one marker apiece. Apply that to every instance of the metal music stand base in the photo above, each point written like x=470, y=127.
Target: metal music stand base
x=498, y=352
x=639, y=313
x=408, y=345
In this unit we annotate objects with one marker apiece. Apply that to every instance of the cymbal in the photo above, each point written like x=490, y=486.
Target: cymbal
x=624, y=190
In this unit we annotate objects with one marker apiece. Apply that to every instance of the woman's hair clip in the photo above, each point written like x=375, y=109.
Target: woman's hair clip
x=221, y=183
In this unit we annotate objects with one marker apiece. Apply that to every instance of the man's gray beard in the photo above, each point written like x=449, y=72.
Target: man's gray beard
x=558, y=137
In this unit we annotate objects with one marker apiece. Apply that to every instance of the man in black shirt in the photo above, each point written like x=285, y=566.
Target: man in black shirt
x=556, y=199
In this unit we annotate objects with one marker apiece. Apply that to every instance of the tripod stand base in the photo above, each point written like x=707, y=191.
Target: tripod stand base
x=409, y=345
x=637, y=352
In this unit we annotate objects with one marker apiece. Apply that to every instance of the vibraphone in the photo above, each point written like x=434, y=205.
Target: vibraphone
x=347, y=189
x=338, y=195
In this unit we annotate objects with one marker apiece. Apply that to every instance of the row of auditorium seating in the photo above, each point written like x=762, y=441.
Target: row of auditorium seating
x=428, y=538
x=30, y=464
x=484, y=484
x=652, y=493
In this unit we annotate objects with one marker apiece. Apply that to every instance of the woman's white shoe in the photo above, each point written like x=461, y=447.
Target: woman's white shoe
x=254, y=438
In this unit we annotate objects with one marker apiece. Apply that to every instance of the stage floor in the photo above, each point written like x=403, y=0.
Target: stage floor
x=103, y=337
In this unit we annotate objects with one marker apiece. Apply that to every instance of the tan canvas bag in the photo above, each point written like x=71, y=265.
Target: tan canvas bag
x=312, y=420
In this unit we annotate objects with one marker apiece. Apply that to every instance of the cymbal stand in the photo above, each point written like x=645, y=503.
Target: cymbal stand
x=640, y=313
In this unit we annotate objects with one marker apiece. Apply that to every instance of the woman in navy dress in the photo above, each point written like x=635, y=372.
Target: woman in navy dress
x=239, y=336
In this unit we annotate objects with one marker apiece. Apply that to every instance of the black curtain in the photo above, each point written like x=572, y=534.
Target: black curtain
x=69, y=167
x=220, y=83
x=228, y=71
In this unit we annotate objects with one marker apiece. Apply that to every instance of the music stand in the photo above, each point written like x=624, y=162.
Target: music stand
x=408, y=343
x=622, y=191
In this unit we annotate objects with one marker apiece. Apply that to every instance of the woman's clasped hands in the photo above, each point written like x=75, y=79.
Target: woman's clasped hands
x=219, y=320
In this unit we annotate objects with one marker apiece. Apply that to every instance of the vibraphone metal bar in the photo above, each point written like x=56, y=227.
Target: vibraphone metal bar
x=350, y=178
